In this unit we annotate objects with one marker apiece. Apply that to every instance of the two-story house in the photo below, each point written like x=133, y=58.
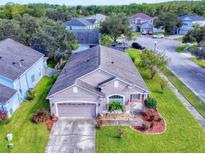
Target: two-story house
x=141, y=22
x=21, y=68
x=94, y=78
x=188, y=21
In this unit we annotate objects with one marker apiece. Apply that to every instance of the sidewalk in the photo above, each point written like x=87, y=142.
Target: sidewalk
x=189, y=107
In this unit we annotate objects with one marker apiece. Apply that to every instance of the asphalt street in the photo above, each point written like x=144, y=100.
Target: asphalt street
x=186, y=70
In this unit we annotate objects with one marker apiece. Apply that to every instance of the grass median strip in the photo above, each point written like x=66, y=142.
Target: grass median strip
x=186, y=92
x=198, y=62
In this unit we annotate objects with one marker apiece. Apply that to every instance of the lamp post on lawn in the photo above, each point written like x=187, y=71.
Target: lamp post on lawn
x=155, y=45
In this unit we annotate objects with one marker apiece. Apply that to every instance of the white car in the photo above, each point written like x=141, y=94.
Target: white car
x=158, y=36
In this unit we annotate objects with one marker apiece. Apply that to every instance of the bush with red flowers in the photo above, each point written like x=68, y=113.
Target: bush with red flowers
x=41, y=116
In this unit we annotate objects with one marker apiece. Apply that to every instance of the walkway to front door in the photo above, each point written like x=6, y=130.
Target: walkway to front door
x=72, y=136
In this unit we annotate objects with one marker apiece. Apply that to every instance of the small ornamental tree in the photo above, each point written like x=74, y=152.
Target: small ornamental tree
x=153, y=61
x=163, y=85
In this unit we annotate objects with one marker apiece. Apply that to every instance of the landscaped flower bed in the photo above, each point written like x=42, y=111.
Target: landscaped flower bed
x=152, y=122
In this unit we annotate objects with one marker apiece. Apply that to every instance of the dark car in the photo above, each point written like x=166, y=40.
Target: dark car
x=137, y=46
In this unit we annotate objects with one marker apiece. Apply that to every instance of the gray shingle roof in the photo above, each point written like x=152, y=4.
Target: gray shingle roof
x=87, y=36
x=78, y=65
x=11, y=53
x=98, y=17
x=78, y=22
x=6, y=93
x=108, y=59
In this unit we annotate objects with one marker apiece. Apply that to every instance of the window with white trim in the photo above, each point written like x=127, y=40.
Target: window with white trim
x=116, y=98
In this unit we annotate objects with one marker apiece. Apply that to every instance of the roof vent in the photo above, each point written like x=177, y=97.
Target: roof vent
x=13, y=63
x=88, y=60
x=0, y=57
x=112, y=62
x=21, y=60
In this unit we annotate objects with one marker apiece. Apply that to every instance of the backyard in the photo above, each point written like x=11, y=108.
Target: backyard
x=183, y=134
x=27, y=136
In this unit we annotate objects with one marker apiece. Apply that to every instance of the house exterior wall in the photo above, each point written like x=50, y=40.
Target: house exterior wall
x=12, y=105
x=134, y=22
x=109, y=89
x=78, y=27
x=23, y=84
x=67, y=95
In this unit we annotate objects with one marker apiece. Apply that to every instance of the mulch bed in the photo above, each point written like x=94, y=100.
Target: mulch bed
x=152, y=121
x=50, y=122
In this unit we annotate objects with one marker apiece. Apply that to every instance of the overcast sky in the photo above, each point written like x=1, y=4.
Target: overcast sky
x=83, y=2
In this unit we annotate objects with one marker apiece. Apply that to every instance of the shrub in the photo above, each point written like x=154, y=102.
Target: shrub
x=3, y=115
x=30, y=95
x=151, y=103
x=114, y=106
x=40, y=116
x=99, y=121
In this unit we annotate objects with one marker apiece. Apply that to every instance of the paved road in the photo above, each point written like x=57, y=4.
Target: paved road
x=186, y=70
x=72, y=136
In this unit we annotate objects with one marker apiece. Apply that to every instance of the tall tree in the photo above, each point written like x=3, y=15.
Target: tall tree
x=115, y=26
x=153, y=61
x=168, y=21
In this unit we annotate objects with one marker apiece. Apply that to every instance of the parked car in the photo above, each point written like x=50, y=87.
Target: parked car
x=137, y=46
x=158, y=36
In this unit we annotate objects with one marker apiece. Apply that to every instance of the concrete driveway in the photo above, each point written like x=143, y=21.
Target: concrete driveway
x=186, y=70
x=72, y=136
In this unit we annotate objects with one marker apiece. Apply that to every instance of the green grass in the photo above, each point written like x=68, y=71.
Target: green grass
x=199, y=62
x=186, y=92
x=27, y=136
x=181, y=48
x=184, y=134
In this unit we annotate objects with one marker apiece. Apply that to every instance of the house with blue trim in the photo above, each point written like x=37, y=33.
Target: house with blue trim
x=188, y=21
x=21, y=68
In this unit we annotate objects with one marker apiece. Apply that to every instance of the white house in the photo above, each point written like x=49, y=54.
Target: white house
x=21, y=69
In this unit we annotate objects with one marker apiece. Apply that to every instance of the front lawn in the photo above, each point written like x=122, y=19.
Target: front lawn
x=181, y=48
x=27, y=136
x=184, y=134
x=198, y=61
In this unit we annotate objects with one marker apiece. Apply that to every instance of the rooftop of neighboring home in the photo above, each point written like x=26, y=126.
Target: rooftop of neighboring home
x=142, y=16
x=78, y=22
x=6, y=93
x=16, y=58
x=86, y=21
x=86, y=36
x=99, y=17
x=192, y=17
x=117, y=63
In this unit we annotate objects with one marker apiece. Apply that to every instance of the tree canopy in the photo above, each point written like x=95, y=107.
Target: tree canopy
x=42, y=34
x=115, y=26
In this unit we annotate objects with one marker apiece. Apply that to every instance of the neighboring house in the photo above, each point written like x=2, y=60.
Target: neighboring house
x=21, y=69
x=97, y=19
x=94, y=78
x=86, y=38
x=188, y=21
x=79, y=23
x=141, y=22
x=91, y=22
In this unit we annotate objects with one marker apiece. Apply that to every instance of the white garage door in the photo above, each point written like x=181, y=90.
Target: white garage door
x=76, y=110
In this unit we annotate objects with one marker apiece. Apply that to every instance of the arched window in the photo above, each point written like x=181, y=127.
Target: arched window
x=116, y=98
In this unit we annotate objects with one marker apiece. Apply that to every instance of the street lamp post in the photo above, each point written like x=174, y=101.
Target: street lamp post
x=155, y=45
